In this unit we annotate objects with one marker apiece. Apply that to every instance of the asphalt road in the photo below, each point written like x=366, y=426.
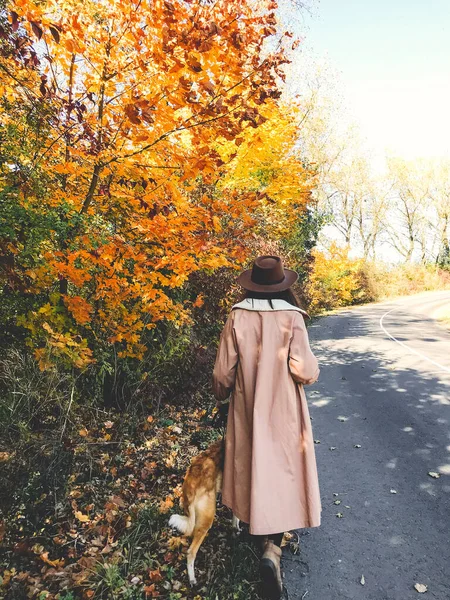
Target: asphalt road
x=392, y=398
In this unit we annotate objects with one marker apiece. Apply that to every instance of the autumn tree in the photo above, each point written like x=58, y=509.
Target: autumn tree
x=268, y=162
x=112, y=112
x=336, y=280
x=410, y=223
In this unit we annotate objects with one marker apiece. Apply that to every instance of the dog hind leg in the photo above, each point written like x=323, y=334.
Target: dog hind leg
x=203, y=520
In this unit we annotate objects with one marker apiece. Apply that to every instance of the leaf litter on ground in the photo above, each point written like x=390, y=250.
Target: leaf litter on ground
x=111, y=523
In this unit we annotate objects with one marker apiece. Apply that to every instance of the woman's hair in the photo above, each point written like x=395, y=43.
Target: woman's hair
x=287, y=295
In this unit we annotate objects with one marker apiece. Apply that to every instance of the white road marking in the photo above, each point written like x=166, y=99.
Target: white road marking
x=427, y=358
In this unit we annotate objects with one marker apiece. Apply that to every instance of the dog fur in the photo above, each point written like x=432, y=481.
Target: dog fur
x=202, y=482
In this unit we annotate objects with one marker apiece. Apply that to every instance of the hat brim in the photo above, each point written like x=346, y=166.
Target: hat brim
x=245, y=281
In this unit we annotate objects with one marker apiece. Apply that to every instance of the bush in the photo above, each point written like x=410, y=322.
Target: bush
x=336, y=280
x=387, y=281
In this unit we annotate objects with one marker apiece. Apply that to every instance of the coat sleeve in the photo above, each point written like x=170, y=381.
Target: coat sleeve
x=303, y=364
x=224, y=375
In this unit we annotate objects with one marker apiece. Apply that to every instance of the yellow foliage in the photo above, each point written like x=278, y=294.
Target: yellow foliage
x=268, y=162
x=335, y=280
x=135, y=106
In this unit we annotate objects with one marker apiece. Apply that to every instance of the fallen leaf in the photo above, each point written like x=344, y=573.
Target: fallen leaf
x=393, y=491
x=434, y=474
x=59, y=540
x=118, y=501
x=178, y=491
x=151, y=591
x=155, y=575
x=53, y=563
x=421, y=588
x=83, y=518
x=339, y=515
x=83, y=432
x=150, y=419
x=362, y=581
x=335, y=494
x=109, y=424
x=175, y=542
x=356, y=445
x=337, y=502
x=317, y=441
x=166, y=505
x=332, y=447
x=287, y=539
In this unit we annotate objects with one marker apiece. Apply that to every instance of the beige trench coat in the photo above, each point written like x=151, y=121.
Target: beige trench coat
x=270, y=475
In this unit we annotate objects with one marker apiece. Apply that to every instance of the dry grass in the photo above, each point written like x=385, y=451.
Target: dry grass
x=442, y=315
x=385, y=281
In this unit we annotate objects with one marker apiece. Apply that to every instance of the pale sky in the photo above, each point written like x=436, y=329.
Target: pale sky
x=393, y=57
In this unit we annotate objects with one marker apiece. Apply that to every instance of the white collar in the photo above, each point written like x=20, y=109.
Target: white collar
x=261, y=304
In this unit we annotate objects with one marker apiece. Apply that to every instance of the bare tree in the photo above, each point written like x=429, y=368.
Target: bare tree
x=409, y=222
x=372, y=216
x=440, y=197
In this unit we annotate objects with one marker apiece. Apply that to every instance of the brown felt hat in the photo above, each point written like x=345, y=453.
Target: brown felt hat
x=267, y=275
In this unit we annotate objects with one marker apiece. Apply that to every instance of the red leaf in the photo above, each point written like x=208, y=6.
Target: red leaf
x=36, y=29
x=14, y=20
x=155, y=575
x=132, y=113
x=55, y=33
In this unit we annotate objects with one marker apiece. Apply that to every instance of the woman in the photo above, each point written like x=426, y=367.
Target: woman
x=263, y=360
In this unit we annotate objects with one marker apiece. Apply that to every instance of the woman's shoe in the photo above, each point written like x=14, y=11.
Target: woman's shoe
x=270, y=571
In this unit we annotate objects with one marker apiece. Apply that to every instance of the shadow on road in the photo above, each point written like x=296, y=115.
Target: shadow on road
x=381, y=425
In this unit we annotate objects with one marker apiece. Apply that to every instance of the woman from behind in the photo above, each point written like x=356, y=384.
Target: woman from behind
x=263, y=361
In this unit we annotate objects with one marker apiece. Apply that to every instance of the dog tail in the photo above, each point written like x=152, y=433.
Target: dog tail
x=184, y=524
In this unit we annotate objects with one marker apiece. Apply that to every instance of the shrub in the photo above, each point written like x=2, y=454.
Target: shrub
x=387, y=281
x=336, y=280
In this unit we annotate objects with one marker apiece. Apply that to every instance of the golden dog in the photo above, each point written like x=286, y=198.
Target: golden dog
x=201, y=484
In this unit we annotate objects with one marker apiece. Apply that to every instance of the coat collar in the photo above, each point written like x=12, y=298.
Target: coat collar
x=260, y=304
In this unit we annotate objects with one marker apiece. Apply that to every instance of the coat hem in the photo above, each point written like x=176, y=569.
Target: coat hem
x=257, y=531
